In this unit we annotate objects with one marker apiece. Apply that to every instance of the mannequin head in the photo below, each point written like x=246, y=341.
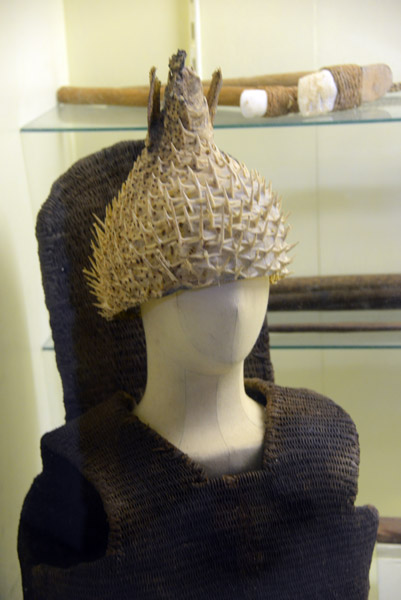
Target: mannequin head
x=210, y=329
x=195, y=396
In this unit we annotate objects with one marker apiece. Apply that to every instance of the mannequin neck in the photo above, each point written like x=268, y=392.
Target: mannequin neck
x=195, y=397
x=206, y=415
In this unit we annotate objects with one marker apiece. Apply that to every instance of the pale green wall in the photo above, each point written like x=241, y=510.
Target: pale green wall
x=32, y=65
x=116, y=43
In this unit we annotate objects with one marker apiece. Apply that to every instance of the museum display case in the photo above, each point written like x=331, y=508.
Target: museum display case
x=334, y=324
x=77, y=130
x=73, y=131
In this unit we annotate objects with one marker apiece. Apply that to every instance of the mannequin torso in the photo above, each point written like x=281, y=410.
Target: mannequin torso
x=195, y=396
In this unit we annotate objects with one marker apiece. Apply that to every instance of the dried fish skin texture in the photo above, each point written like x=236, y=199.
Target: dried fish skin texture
x=188, y=215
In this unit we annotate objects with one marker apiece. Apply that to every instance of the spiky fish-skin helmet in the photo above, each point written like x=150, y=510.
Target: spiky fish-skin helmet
x=188, y=215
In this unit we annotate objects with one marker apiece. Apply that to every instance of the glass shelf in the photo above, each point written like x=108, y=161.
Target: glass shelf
x=330, y=340
x=70, y=117
x=317, y=330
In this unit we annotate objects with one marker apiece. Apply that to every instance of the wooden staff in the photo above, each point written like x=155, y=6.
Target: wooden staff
x=333, y=88
x=346, y=292
x=286, y=79
x=281, y=99
x=124, y=96
x=340, y=327
x=389, y=530
x=376, y=80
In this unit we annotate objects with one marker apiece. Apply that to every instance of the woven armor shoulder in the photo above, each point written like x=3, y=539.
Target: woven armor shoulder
x=88, y=437
x=313, y=444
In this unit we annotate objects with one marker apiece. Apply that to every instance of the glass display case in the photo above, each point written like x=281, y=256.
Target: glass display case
x=99, y=125
x=89, y=118
x=340, y=348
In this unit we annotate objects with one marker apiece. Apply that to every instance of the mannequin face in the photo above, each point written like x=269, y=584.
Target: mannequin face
x=209, y=329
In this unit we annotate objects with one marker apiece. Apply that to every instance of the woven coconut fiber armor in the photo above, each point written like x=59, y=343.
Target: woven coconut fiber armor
x=119, y=513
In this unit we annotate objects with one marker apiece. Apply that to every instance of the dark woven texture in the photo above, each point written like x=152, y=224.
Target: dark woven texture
x=95, y=357
x=119, y=513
